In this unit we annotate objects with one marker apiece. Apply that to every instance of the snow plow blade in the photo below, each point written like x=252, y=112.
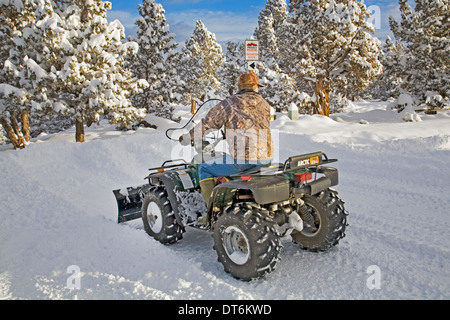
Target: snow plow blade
x=129, y=202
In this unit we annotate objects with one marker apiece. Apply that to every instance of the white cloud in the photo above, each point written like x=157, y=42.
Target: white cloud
x=225, y=25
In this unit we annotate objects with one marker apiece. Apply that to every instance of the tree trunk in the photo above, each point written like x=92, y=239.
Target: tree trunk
x=79, y=130
x=25, y=125
x=15, y=125
x=322, y=104
x=11, y=134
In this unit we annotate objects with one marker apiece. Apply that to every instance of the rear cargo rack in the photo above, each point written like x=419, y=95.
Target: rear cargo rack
x=307, y=160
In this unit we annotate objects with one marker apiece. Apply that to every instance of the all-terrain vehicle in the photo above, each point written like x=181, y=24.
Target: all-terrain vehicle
x=248, y=213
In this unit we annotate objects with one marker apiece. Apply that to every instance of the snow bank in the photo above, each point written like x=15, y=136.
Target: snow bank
x=365, y=125
x=161, y=124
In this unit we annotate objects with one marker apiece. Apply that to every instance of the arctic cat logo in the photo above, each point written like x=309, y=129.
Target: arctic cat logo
x=312, y=160
x=302, y=162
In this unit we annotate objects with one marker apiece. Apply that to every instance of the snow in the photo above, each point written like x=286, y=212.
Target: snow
x=6, y=90
x=405, y=99
x=59, y=215
x=97, y=40
x=35, y=68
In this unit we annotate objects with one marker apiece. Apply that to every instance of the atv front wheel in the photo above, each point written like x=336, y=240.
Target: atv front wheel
x=246, y=243
x=330, y=220
x=158, y=217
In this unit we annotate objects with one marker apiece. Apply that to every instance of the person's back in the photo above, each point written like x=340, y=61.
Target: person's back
x=246, y=119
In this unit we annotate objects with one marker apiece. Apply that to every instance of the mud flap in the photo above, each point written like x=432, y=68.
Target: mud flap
x=129, y=202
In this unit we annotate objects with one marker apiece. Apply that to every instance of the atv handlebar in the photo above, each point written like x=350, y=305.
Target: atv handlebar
x=190, y=120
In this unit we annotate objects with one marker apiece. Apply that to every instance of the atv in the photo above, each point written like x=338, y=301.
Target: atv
x=248, y=214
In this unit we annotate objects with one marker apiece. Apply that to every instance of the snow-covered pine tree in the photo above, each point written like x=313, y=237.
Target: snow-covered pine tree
x=93, y=81
x=29, y=35
x=265, y=33
x=273, y=20
x=171, y=86
x=201, y=59
x=14, y=17
x=425, y=31
x=233, y=67
x=332, y=46
x=394, y=61
x=11, y=99
x=155, y=61
x=279, y=88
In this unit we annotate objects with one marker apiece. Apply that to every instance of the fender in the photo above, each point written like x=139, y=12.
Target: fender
x=265, y=190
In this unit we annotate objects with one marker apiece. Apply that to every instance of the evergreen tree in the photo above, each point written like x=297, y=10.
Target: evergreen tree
x=282, y=31
x=332, y=47
x=394, y=61
x=93, y=81
x=271, y=30
x=233, y=67
x=14, y=18
x=29, y=34
x=11, y=99
x=280, y=89
x=155, y=61
x=425, y=33
x=201, y=59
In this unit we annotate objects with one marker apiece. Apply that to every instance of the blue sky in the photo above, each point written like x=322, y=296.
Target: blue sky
x=227, y=19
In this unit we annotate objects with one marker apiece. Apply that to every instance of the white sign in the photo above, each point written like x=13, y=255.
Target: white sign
x=251, y=50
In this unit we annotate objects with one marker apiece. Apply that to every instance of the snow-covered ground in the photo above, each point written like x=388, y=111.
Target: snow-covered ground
x=58, y=217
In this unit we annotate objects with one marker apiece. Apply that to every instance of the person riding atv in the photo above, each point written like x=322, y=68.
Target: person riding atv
x=251, y=211
x=246, y=119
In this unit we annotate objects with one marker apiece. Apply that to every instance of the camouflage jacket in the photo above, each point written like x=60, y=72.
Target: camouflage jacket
x=246, y=119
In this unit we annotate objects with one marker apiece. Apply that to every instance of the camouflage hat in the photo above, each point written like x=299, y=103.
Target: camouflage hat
x=248, y=81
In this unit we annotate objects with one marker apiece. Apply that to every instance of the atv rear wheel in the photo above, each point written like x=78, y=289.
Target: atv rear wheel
x=158, y=217
x=330, y=220
x=246, y=243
